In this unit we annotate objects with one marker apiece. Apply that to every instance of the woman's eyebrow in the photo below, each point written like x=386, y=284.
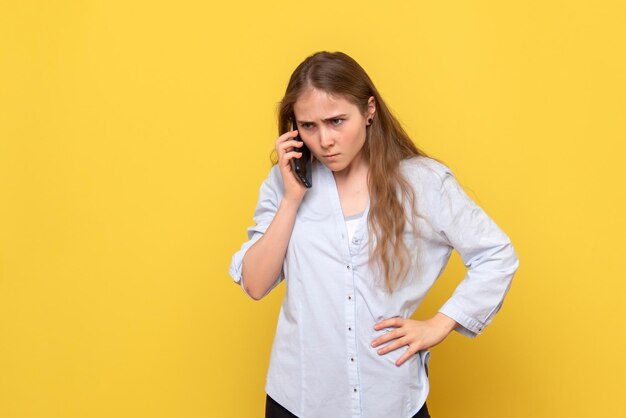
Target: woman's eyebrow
x=343, y=115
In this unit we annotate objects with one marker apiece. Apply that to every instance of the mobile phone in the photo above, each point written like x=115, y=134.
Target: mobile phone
x=302, y=166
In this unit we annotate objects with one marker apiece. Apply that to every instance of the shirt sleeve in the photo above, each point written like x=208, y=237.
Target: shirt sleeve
x=270, y=194
x=486, y=251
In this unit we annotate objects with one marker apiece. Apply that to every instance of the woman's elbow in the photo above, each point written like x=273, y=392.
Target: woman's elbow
x=512, y=260
x=254, y=295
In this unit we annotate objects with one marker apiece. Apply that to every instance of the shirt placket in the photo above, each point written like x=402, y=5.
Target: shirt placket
x=349, y=278
x=352, y=276
x=351, y=350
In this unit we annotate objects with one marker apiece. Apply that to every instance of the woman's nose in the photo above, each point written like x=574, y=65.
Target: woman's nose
x=325, y=138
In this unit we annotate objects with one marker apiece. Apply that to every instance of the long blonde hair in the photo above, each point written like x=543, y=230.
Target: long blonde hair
x=386, y=145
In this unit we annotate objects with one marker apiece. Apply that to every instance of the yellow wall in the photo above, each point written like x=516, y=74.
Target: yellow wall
x=133, y=140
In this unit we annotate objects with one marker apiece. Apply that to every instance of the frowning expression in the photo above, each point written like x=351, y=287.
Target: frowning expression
x=331, y=127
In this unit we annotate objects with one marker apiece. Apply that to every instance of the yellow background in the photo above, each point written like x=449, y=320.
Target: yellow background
x=134, y=137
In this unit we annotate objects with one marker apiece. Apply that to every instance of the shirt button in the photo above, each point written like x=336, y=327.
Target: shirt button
x=348, y=267
x=355, y=389
x=349, y=328
x=351, y=358
x=355, y=241
x=349, y=297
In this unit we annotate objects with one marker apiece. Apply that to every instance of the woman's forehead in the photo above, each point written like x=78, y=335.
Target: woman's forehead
x=314, y=104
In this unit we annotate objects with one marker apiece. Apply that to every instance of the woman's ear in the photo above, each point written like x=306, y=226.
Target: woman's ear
x=371, y=107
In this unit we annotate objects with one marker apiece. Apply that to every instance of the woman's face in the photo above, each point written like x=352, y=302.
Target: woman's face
x=332, y=128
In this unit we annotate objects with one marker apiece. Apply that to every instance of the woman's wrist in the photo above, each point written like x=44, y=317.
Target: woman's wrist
x=291, y=203
x=445, y=322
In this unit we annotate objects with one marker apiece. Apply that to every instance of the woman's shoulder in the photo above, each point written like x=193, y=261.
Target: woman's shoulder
x=273, y=184
x=424, y=170
x=273, y=176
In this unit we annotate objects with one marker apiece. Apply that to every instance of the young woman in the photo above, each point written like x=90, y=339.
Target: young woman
x=359, y=251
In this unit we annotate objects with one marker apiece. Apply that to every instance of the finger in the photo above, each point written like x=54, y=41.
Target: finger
x=388, y=336
x=404, y=357
x=400, y=342
x=289, y=155
x=396, y=321
x=288, y=145
x=286, y=136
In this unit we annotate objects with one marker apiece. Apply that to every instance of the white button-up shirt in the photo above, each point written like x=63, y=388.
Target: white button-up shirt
x=322, y=364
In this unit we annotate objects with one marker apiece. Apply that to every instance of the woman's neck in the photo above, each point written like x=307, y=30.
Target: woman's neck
x=355, y=172
x=353, y=189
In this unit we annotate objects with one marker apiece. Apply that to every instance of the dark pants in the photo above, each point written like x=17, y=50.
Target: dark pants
x=275, y=410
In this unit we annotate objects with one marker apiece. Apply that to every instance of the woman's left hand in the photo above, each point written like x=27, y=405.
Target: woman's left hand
x=418, y=335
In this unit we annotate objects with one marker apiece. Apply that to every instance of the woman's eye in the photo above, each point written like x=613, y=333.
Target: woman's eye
x=337, y=121
x=306, y=125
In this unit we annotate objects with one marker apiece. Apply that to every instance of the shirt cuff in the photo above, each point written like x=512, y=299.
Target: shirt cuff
x=467, y=326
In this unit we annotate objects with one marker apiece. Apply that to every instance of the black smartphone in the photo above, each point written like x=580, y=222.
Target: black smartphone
x=302, y=166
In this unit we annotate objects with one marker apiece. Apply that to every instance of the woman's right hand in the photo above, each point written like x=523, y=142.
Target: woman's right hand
x=287, y=148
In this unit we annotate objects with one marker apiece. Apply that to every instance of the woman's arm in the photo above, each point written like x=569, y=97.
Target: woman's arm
x=260, y=259
x=486, y=251
x=263, y=262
